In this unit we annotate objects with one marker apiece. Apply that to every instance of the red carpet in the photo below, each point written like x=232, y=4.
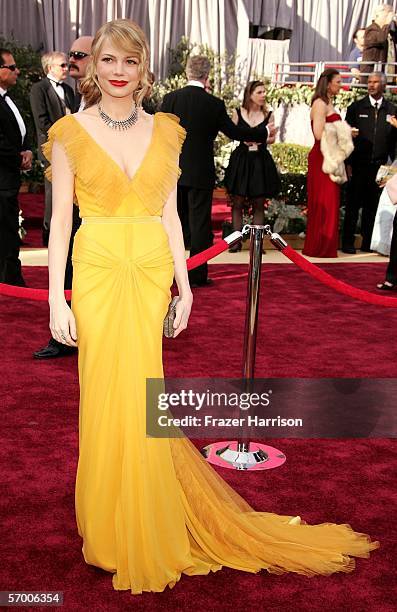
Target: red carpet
x=305, y=330
x=32, y=207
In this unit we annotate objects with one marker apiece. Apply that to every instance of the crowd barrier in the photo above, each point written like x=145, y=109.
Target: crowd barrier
x=41, y=295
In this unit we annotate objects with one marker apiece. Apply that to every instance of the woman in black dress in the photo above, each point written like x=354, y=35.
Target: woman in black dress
x=251, y=176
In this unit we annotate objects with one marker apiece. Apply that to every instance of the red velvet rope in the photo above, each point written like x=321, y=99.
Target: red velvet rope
x=200, y=258
x=41, y=295
x=340, y=286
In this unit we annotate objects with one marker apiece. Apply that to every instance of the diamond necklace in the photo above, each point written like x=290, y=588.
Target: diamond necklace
x=116, y=124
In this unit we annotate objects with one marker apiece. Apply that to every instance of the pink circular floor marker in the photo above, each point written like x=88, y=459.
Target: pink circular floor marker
x=274, y=460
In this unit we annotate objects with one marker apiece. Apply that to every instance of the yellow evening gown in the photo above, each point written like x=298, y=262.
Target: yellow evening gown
x=150, y=509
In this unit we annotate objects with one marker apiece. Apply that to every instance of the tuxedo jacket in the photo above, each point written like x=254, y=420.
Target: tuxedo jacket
x=372, y=145
x=203, y=116
x=47, y=108
x=11, y=146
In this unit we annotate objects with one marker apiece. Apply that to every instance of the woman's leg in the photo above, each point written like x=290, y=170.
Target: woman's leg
x=237, y=212
x=237, y=219
x=258, y=210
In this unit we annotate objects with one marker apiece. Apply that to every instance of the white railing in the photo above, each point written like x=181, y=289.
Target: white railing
x=307, y=73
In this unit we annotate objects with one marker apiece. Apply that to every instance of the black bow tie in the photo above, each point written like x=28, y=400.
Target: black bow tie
x=57, y=83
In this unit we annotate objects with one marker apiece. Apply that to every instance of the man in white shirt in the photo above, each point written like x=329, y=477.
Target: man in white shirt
x=50, y=99
x=15, y=155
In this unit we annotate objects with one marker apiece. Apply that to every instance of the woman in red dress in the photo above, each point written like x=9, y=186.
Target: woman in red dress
x=323, y=195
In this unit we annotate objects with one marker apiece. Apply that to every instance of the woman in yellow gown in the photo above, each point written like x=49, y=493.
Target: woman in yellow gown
x=147, y=509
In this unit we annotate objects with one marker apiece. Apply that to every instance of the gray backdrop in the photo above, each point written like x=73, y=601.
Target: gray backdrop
x=322, y=29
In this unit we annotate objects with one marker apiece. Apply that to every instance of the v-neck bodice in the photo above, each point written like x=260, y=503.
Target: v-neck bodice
x=102, y=188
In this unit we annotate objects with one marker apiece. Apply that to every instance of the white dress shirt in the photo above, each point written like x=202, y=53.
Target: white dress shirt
x=196, y=83
x=378, y=102
x=17, y=114
x=59, y=90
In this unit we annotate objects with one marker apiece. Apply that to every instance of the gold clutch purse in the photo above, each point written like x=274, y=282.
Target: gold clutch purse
x=168, y=325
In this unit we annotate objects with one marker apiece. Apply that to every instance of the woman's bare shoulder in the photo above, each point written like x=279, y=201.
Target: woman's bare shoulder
x=320, y=104
x=88, y=115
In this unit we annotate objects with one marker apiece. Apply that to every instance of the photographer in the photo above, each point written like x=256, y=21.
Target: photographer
x=379, y=41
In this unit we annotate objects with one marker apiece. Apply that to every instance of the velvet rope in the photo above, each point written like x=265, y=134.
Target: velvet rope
x=204, y=256
x=340, y=286
x=41, y=295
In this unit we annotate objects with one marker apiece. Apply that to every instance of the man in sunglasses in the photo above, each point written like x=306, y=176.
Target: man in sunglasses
x=15, y=155
x=50, y=99
x=78, y=61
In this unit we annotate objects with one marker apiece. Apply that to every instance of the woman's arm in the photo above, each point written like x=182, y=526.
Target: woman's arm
x=318, y=115
x=62, y=323
x=235, y=116
x=272, y=129
x=172, y=226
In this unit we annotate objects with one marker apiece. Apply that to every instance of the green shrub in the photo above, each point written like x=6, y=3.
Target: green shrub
x=293, y=189
x=290, y=157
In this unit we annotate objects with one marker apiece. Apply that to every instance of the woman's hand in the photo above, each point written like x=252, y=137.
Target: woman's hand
x=63, y=324
x=183, y=309
x=393, y=121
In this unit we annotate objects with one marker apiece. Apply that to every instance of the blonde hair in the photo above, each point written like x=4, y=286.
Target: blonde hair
x=48, y=58
x=127, y=35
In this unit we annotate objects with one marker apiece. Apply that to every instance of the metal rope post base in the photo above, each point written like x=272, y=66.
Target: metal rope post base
x=244, y=454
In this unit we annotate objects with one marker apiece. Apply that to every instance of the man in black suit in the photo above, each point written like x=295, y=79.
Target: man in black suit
x=50, y=99
x=203, y=116
x=78, y=61
x=15, y=155
x=375, y=143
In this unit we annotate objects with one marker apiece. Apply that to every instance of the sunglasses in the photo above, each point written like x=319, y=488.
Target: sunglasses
x=11, y=67
x=78, y=55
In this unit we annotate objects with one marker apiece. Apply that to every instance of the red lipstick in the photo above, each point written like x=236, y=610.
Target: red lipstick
x=119, y=83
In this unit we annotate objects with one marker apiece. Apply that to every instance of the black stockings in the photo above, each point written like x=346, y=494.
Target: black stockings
x=258, y=211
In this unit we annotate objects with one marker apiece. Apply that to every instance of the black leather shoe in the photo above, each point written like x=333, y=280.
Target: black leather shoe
x=349, y=249
x=206, y=283
x=386, y=286
x=364, y=250
x=54, y=349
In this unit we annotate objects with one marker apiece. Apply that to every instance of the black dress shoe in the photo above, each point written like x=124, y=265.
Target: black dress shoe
x=206, y=283
x=54, y=349
x=364, y=250
x=386, y=286
x=235, y=248
x=349, y=249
